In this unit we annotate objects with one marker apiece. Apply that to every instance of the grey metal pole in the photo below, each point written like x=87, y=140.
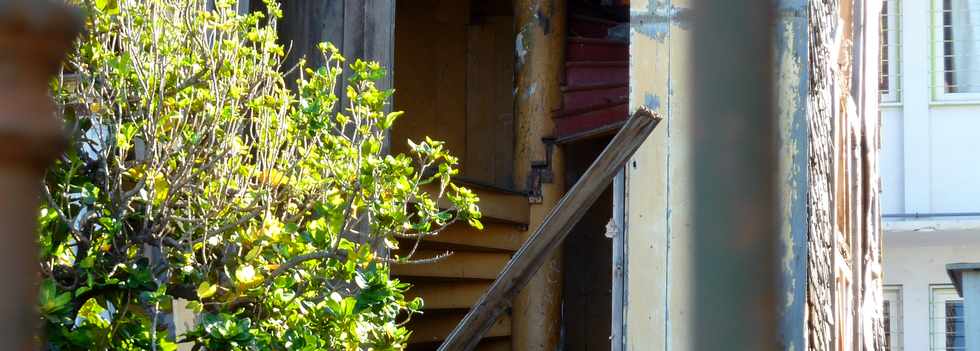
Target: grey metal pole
x=734, y=162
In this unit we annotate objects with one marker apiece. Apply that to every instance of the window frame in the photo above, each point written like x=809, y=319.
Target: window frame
x=938, y=296
x=937, y=37
x=896, y=333
x=893, y=55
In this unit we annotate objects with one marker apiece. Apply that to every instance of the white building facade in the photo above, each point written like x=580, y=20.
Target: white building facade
x=930, y=109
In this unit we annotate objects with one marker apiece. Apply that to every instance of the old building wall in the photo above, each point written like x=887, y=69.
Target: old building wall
x=830, y=245
x=844, y=247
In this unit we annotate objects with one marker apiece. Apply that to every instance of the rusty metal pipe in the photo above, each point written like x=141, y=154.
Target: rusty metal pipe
x=34, y=37
x=734, y=165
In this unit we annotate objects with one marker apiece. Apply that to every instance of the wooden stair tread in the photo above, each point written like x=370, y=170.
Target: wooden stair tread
x=597, y=64
x=493, y=236
x=501, y=343
x=435, y=326
x=496, y=205
x=466, y=265
x=587, y=109
x=596, y=119
x=568, y=89
x=449, y=295
x=596, y=41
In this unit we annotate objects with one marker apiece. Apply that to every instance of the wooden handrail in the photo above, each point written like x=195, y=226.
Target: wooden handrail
x=552, y=232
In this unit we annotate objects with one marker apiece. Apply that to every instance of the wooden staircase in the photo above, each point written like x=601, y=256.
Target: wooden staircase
x=451, y=286
x=595, y=86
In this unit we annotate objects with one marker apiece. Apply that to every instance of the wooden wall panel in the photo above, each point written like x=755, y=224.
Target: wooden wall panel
x=430, y=58
x=490, y=101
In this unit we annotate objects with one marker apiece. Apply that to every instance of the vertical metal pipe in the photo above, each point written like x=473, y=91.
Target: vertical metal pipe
x=734, y=168
x=34, y=37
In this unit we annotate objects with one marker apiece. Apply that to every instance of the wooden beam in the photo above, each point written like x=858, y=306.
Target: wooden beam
x=433, y=327
x=552, y=232
x=493, y=236
x=496, y=205
x=449, y=295
x=467, y=265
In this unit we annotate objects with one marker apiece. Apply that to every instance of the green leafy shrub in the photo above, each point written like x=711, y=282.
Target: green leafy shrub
x=197, y=175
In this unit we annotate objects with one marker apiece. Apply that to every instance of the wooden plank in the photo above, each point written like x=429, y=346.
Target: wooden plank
x=433, y=327
x=552, y=232
x=448, y=295
x=465, y=265
x=494, y=236
x=490, y=101
x=495, y=205
x=430, y=58
x=494, y=345
x=306, y=23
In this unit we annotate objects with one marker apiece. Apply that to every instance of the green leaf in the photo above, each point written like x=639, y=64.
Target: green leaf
x=247, y=276
x=109, y=7
x=206, y=290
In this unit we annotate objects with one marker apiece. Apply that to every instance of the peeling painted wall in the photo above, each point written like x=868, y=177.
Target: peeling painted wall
x=792, y=85
x=658, y=209
x=658, y=202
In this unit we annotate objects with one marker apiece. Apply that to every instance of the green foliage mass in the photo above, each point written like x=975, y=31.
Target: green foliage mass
x=198, y=177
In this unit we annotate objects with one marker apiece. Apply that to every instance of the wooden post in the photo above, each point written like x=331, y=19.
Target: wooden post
x=539, y=57
x=536, y=251
x=34, y=37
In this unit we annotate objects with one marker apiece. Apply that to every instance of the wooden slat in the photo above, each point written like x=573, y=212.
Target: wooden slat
x=449, y=295
x=468, y=265
x=493, y=236
x=552, y=232
x=436, y=326
x=494, y=345
x=490, y=101
x=496, y=205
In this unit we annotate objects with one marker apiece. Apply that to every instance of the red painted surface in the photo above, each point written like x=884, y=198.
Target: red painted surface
x=575, y=100
x=580, y=74
x=580, y=123
x=595, y=92
x=591, y=49
x=583, y=26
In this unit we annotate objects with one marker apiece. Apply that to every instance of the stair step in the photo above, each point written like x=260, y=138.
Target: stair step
x=581, y=101
x=502, y=343
x=594, y=49
x=463, y=265
x=495, y=204
x=435, y=326
x=449, y=295
x=582, y=123
x=589, y=73
x=591, y=27
x=495, y=237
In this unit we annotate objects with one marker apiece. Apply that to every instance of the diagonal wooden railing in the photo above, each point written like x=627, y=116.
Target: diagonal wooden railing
x=552, y=232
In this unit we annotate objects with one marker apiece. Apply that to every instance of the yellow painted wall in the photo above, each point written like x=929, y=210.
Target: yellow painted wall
x=658, y=207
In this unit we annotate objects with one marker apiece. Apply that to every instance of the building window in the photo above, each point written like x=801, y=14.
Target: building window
x=893, y=318
x=946, y=313
x=957, y=45
x=889, y=78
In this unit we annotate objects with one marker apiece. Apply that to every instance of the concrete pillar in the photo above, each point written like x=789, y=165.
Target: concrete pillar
x=34, y=37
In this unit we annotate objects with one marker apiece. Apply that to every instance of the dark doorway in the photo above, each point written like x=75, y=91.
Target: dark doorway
x=587, y=292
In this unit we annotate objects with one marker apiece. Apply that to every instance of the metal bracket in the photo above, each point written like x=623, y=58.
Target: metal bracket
x=541, y=173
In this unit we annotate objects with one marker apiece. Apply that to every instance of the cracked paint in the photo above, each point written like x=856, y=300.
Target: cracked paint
x=655, y=21
x=792, y=85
